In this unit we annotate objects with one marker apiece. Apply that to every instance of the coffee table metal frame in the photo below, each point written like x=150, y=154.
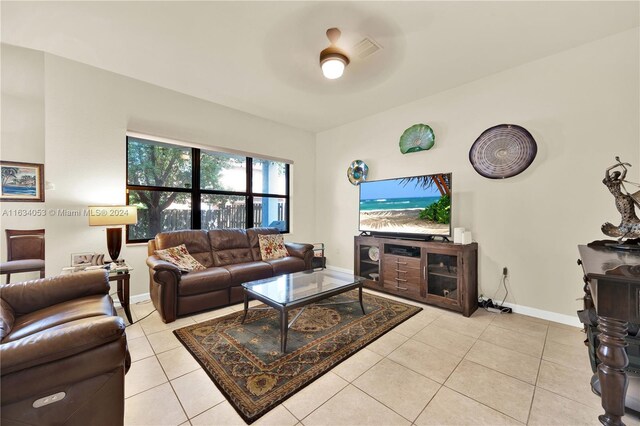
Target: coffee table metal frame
x=284, y=309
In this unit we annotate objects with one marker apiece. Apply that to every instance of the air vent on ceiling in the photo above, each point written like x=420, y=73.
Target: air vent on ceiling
x=365, y=47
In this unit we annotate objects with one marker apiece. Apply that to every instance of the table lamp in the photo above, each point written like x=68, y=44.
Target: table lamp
x=113, y=216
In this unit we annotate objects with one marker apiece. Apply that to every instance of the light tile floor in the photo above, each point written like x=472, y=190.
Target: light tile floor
x=437, y=368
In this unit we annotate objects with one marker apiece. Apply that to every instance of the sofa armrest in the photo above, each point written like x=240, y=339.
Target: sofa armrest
x=51, y=345
x=33, y=295
x=298, y=249
x=157, y=264
x=163, y=287
x=303, y=251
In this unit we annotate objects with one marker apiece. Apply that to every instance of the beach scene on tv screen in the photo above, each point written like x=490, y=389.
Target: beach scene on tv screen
x=413, y=205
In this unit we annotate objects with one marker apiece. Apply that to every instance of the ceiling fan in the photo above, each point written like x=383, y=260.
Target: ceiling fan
x=333, y=60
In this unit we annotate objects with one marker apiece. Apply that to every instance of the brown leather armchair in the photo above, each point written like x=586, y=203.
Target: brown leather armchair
x=63, y=352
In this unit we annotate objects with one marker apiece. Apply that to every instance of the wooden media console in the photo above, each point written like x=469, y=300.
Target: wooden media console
x=438, y=273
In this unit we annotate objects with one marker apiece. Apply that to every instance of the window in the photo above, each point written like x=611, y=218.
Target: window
x=177, y=187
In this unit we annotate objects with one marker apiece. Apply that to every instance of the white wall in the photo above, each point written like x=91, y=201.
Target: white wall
x=582, y=107
x=22, y=133
x=86, y=114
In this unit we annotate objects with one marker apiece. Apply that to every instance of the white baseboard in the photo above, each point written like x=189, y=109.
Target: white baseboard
x=571, y=320
x=335, y=268
x=140, y=298
x=547, y=315
x=132, y=299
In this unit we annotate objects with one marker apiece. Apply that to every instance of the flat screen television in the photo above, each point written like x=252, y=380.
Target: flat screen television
x=415, y=207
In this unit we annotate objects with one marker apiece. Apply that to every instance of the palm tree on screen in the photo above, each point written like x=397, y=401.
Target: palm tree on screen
x=442, y=181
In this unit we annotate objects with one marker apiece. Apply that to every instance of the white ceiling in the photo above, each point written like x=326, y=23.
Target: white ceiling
x=262, y=57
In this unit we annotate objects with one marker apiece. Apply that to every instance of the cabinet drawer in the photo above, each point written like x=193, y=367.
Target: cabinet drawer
x=402, y=275
x=403, y=288
x=401, y=261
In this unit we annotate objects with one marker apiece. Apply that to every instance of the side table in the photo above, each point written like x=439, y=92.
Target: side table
x=613, y=278
x=122, y=279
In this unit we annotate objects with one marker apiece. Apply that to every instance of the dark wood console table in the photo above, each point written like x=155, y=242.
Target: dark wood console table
x=613, y=277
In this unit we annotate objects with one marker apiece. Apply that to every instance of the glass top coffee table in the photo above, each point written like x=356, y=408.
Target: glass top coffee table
x=291, y=291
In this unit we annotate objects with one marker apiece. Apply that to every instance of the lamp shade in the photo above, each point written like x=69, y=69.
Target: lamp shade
x=112, y=215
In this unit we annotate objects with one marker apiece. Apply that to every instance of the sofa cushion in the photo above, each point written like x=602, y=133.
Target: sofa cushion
x=7, y=318
x=229, y=246
x=210, y=279
x=180, y=257
x=286, y=265
x=251, y=271
x=62, y=313
x=272, y=247
x=203, y=301
x=195, y=240
x=254, y=242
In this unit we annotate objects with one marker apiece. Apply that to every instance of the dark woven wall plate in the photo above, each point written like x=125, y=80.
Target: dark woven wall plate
x=503, y=151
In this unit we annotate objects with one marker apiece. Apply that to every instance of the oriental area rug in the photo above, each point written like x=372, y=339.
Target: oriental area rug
x=245, y=362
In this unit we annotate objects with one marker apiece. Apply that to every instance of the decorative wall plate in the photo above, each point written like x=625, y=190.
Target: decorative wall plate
x=418, y=137
x=503, y=151
x=374, y=253
x=357, y=172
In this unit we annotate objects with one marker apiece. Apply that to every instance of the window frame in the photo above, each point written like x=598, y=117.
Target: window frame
x=196, y=192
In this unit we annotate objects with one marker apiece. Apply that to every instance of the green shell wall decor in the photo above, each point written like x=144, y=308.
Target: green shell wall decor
x=418, y=137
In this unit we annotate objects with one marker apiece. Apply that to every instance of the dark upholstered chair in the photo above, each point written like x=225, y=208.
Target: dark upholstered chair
x=64, y=352
x=25, y=252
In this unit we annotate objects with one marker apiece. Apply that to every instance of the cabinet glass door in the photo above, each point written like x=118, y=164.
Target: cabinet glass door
x=442, y=276
x=369, y=262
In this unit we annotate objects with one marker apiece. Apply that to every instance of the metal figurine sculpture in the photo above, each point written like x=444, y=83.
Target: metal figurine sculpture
x=629, y=227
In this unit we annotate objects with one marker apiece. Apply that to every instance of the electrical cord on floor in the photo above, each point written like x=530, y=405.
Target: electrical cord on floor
x=142, y=303
x=505, y=280
x=135, y=322
x=500, y=308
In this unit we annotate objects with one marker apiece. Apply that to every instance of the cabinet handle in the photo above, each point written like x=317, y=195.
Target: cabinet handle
x=401, y=263
x=400, y=270
x=401, y=288
x=400, y=279
x=424, y=272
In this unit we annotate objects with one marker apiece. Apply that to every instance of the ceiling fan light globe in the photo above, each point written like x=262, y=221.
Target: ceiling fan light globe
x=333, y=68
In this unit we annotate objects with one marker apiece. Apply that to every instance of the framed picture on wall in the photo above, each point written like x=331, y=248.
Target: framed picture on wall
x=81, y=259
x=22, y=181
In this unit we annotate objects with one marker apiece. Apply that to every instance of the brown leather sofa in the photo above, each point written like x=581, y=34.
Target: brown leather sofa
x=231, y=256
x=62, y=343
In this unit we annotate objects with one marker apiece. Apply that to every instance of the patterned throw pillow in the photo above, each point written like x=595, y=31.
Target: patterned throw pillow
x=180, y=257
x=272, y=246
